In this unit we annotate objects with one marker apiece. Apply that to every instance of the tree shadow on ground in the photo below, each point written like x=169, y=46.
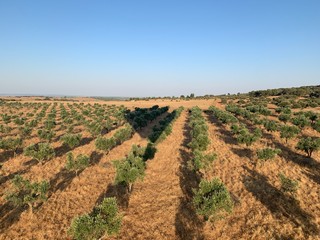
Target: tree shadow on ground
x=9, y=214
x=310, y=165
x=63, y=178
x=224, y=134
x=63, y=149
x=8, y=154
x=119, y=191
x=29, y=164
x=244, y=153
x=187, y=223
x=142, y=118
x=228, y=138
x=282, y=206
x=5, y=156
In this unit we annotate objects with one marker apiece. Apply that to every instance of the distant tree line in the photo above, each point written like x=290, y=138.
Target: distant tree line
x=305, y=91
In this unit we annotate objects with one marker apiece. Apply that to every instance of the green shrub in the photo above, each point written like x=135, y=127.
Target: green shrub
x=47, y=135
x=200, y=142
x=94, y=128
x=25, y=131
x=19, y=121
x=105, y=144
x=308, y=145
x=212, y=199
x=247, y=138
x=301, y=121
x=77, y=164
x=270, y=125
x=49, y=124
x=28, y=193
x=11, y=144
x=40, y=151
x=288, y=185
x=288, y=132
x=6, y=118
x=123, y=134
x=201, y=160
x=103, y=220
x=129, y=169
x=5, y=129
x=71, y=140
x=267, y=153
x=316, y=126
x=284, y=117
x=235, y=129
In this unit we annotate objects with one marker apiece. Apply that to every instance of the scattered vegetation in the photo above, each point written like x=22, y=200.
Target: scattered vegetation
x=25, y=192
x=267, y=153
x=77, y=163
x=40, y=151
x=71, y=140
x=212, y=199
x=104, y=220
x=288, y=185
x=308, y=145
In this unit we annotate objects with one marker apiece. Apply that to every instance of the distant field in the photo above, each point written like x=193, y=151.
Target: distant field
x=160, y=206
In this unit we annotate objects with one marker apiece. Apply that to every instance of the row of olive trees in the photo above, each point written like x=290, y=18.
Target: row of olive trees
x=211, y=199
x=164, y=128
x=199, y=140
x=306, y=144
x=121, y=135
x=105, y=219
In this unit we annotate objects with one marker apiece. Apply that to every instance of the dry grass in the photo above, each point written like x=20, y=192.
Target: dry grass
x=160, y=206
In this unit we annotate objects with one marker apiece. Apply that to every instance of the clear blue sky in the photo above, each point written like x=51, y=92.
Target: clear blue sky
x=157, y=48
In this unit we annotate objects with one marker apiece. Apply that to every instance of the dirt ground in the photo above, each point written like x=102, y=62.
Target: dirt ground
x=160, y=205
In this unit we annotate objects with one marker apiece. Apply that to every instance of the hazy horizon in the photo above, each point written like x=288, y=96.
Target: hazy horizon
x=167, y=48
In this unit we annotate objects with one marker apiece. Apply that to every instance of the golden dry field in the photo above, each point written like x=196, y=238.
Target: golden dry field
x=160, y=206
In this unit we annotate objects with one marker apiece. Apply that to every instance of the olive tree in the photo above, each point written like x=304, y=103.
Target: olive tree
x=288, y=132
x=78, y=163
x=129, y=169
x=25, y=192
x=40, y=151
x=71, y=140
x=11, y=144
x=103, y=220
x=212, y=199
x=308, y=145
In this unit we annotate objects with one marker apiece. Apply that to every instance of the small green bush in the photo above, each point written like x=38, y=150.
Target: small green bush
x=267, y=153
x=308, y=145
x=201, y=160
x=47, y=135
x=212, y=199
x=301, y=121
x=71, y=140
x=28, y=193
x=288, y=185
x=284, y=117
x=288, y=132
x=40, y=151
x=128, y=170
x=103, y=220
x=270, y=125
x=247, y=138
x=78, y=163
x=11, y=144
x=200, y=142
x=105, y=144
